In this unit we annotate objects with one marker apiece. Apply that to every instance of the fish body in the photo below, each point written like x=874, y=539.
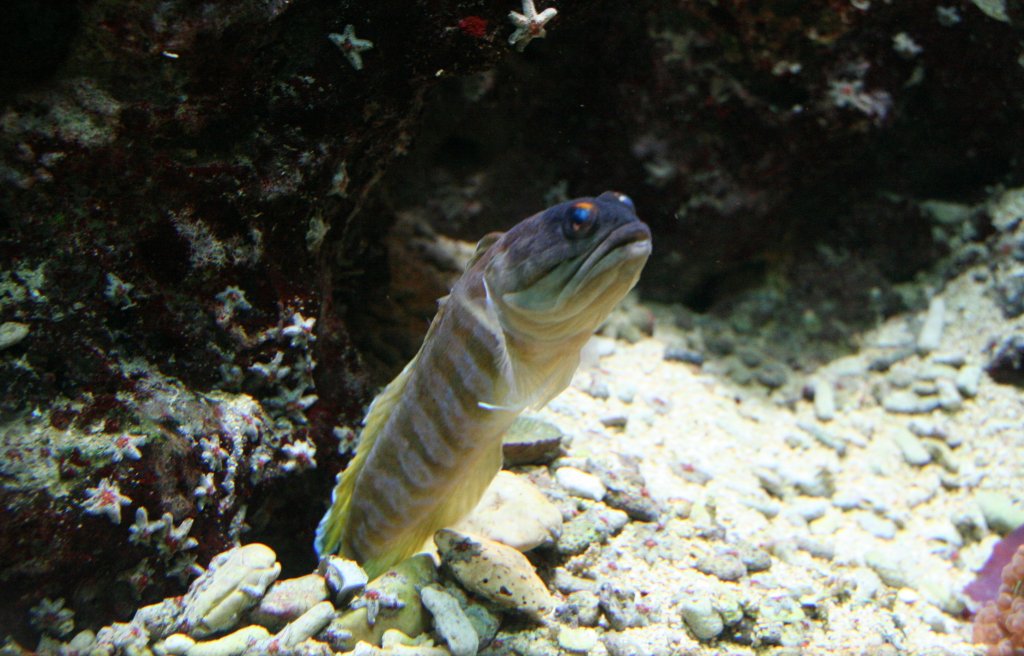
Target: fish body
x=507, y=337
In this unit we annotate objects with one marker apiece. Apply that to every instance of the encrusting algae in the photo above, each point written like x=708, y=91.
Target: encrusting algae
x=507, y=337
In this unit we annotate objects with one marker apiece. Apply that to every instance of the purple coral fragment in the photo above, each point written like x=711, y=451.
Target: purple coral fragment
x=985, y=587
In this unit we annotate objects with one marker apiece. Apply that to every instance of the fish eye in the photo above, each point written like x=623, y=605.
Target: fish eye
x=625, y=200
x=581, y=216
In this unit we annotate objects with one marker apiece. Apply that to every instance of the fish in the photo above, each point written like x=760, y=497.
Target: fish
x=506, y=338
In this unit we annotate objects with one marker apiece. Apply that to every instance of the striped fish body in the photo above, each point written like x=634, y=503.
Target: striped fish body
x=447, y=421
x=507, y=337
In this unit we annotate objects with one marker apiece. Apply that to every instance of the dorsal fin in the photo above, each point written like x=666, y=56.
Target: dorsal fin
x=482, y=246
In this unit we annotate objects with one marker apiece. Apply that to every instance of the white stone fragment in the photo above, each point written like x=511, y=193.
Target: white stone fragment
x=880, y=527
x=701, y=618
x=890, y=566
x=580, y=484
x=177, y=644
x=949, y=397
x=908, y=403
x=911, y=447
x=12, y=332
x=159, y=619
x=235, y=581
x=82, y=641
x=968, y=379
x=450, y=621
x=1007, y=210
x=306, y=625
x=865, y=584
x=288, y=599
x=1000, y=512
x=824, y=401
x=935, y=587
x=597, y=347
x=993, y=9
x=578, y=640
x=233, y=644
x=345, y=578
x=930, y=336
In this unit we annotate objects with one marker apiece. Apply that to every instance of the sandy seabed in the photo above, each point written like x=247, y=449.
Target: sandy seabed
x=874, y=520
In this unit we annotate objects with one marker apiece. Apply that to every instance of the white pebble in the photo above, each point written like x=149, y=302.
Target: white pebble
x=824, y=401
x=253, y=638
x=599, y=347
x=911, y=447
x=626, y=393
x=306, y=625
x=1000, y=512
x=344, y=578
x=866, y=585
x=889, y=565
x=907, y=596
x=450, y=621
x=701, y=618
x=949, y=397
x=809, y=509
x=12, y=332
x=578, y=640
x=177, y=644
x=968, y=380
x=936, y=619
x=580, y=484
x=877, y=526
x=930, y=336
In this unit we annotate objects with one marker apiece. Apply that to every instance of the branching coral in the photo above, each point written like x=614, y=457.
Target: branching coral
x=1000, y=623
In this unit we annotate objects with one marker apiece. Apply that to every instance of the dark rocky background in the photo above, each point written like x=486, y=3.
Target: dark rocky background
x=781, y=151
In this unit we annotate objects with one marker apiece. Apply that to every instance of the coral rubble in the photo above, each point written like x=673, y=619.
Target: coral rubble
x=1000, y=623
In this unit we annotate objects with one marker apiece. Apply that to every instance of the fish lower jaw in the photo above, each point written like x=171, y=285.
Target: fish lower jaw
x=637, y=249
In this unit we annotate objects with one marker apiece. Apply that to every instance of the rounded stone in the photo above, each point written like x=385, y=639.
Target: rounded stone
x=772, y=375
x=824, y=401
x=911, y=447
x=495, y=572
x=450, y=621
x=879, y=527
x=726, y=567
x=531, y=441
x=1000, y=513
x=235, y=581
x=580, y=483
x=968, y=380
x=515, y=512
x=288, y=599
x=578, y=640
x=344, y=578
x=12, y=332
x=701, y=618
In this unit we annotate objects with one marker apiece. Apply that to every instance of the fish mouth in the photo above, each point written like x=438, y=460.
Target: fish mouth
x=627, y=242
